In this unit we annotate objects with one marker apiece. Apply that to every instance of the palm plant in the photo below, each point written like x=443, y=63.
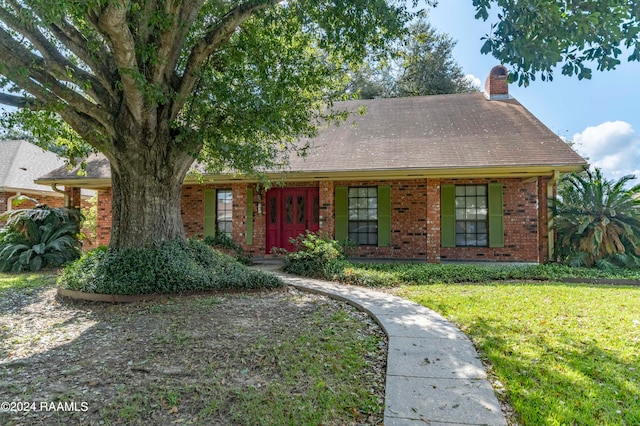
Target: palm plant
x=38, y=238
x=597, y=220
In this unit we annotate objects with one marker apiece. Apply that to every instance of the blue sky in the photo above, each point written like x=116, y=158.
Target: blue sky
x=601, y=115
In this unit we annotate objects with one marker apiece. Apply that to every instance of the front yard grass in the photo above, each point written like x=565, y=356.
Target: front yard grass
x=272, y=358
x=564, y=354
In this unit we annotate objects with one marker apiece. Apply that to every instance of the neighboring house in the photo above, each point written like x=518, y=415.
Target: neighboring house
x=459, y=177
x=21, y=163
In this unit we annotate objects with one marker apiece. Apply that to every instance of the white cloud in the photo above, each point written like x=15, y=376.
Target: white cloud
x=613, y=146
x=474, y=80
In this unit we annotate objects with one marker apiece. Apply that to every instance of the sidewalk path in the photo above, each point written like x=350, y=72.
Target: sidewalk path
x=434, y=375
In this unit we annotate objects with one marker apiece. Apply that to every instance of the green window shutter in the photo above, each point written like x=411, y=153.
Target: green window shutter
x=448, y=215
x=341, y=204
x=249, y=236
x=210, y=212
x=384, y=216
x=496, y=216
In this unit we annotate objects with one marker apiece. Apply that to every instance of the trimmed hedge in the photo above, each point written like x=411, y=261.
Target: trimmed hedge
x=175, y=267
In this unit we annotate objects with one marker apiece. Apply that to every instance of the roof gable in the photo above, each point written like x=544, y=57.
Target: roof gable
x=22, y=162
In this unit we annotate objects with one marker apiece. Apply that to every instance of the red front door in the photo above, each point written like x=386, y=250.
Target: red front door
x=291, y=212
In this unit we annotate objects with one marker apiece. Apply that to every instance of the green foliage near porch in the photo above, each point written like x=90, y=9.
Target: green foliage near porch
x=174, y=267
x=560, y=354
x=321, y=257
x=42, y=237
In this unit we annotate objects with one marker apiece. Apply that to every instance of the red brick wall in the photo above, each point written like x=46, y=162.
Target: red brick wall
x=103, y=226
x=521, y=224
x=415, y=218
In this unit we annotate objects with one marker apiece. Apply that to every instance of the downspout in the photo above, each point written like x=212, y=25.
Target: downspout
x=551, y=236
x=67, y=198
x=10, y=201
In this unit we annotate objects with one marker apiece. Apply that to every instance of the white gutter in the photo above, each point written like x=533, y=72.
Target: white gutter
x=67, y=198
x=10, y=201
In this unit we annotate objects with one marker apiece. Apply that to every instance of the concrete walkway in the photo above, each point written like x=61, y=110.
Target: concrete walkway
x=434, y=375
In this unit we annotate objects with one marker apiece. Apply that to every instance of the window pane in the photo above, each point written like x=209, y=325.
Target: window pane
x=301, y=214
x=471, y=215
x=224, y=211
x=363, y=215
x=272, y=210
x=288, y=210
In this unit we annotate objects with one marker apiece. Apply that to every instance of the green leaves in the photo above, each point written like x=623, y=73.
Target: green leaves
x=39, y=238
x=596, y=218
x=536, y=36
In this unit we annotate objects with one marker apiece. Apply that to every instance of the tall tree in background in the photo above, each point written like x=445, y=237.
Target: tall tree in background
x=155, y=85
x=421, y=64
x=428, y=67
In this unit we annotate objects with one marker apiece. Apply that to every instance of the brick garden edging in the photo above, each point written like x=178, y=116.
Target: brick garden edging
x=111, y=298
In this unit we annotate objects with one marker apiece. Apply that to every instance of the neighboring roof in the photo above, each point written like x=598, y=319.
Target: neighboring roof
x=21, y=163
x=443, y=135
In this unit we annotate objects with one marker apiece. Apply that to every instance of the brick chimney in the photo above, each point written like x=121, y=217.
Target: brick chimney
x=495, y=86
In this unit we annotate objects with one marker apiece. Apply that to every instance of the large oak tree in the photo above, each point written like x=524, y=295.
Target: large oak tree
x=155, y=85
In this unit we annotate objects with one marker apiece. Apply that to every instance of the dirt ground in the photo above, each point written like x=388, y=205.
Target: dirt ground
x=179, y=360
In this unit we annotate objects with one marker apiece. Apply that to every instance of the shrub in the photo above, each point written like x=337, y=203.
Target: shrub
x=175, y=267
x=223, y=243
x=41, y=237
x=315, y=256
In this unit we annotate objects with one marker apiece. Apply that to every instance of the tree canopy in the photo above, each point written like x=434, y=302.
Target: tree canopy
x=536, y=37
x=155, y=85
x=420, y=64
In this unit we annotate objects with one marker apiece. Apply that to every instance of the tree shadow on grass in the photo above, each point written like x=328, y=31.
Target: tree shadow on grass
x=561, y=378
x=189, y=360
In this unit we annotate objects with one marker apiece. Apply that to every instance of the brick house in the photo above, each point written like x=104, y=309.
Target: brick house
x=457, y=177
x=21, y=163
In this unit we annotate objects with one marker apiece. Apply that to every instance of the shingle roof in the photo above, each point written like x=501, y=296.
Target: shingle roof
x=22, y=162
x=427, y=133
x=433, y=132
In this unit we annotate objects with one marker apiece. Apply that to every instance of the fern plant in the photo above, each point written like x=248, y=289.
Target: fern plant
x=41, y=237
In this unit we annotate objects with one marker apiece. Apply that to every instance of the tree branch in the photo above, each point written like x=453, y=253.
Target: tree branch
x=18, y=101
x=112, y=21
x=217, y=34
x=57, y=64
x=171, y=42
x=29, y=72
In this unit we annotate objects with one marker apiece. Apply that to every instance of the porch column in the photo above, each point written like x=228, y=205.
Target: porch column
x=73, y=196
x=327, y=208
x=433, y=220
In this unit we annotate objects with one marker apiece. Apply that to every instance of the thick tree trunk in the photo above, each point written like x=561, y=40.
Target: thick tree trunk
x=146, y=187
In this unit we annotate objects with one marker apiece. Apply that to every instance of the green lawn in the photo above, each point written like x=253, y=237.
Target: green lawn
x=25, y=281
x=565, y=354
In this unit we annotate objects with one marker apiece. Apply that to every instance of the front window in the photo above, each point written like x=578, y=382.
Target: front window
x=471, y=216
x=363, y=215
x=224, y=209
